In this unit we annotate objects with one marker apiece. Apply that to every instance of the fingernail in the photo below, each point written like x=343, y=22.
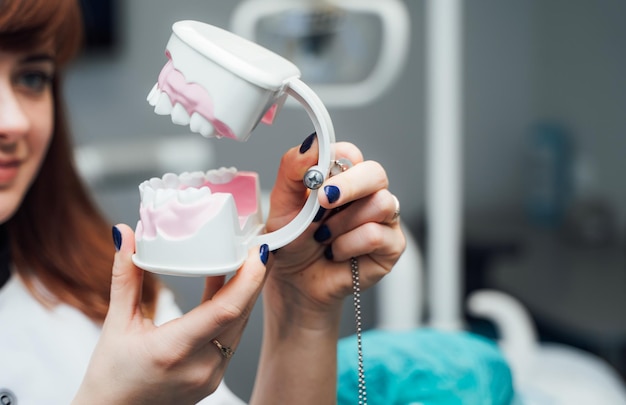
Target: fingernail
x=308, y=142
x=332, y=193
x=328, y=252
x=320, y=214
x=117, y=238
x=322, y=233
x=264, y=253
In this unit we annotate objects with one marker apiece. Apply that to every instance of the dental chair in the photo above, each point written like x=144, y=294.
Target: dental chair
x=545, y=373
x=407, y=362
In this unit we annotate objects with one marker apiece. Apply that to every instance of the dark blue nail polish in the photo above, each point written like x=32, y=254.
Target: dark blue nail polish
x=332, y=193
x=264, y=253
x=320, y=214
x=117, y=238
x=308, y=142
x=328, y=252
x=322, y=233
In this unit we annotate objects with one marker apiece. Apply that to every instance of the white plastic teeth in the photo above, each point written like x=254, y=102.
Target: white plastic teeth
x=179, y=115
x=200, y=125
x=163, y=106
x=222, y=175
x=193, y=179
x=187, y=188
x=163, y=195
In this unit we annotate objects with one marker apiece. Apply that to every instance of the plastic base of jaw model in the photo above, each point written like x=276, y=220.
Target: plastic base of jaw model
x=222, y=86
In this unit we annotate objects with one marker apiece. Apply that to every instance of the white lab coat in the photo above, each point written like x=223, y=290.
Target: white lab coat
x=44, y=352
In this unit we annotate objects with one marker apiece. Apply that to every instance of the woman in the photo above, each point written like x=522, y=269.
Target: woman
x=80, y=326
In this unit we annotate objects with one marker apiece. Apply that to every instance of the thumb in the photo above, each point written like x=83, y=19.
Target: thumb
x=126, y=278
x=289, y=192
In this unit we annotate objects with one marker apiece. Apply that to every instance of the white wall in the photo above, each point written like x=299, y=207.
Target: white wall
x=581, y=81
x=528, y=61
x=498, y=102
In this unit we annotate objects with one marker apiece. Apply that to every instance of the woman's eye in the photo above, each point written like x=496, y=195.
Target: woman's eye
x=36, y=81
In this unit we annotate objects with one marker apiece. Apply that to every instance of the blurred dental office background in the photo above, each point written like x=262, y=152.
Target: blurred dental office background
x=543, y=130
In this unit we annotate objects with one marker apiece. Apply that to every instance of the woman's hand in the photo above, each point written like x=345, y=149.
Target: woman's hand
x=177, y=362
x=359, y=218
x=311, y=276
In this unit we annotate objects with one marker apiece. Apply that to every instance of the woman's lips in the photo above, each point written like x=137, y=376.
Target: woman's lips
x=8, y=171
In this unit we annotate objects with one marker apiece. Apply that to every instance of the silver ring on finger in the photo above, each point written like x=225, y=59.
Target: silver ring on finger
x=396, y=213
x=339, y=166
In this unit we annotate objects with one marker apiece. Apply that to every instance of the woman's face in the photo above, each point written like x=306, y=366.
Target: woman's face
x=26, y=122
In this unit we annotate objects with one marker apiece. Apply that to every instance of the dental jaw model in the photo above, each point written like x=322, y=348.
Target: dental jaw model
x=222, y=86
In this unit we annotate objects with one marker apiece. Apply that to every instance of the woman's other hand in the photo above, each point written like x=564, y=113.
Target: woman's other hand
x=136, y=361
x=359, y=218
x=312, y=275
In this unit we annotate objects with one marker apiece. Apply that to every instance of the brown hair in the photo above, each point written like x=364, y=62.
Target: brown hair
x=58, y=236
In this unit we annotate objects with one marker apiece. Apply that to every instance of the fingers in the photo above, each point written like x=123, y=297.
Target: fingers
x=377, y=246
x=228, y=309
x=384, y=243
x=359, y=181
x=380, y=207
x=211, y=286
x=289, y=192
x=126, y=280
x=364, y=223
x=368, y=225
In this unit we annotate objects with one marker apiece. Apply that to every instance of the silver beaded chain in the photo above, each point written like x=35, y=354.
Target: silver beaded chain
x=354, y=265
x=339, y=166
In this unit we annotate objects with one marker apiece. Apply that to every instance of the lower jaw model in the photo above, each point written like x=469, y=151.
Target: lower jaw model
x=197, y=223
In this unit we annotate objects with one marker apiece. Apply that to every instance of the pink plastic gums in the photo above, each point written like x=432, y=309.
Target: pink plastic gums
x=243, y=189
x=192, y=96
x=175, y=220
x=268, y=118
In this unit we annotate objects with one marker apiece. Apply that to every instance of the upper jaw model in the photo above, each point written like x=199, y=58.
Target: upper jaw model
x=222, y=86
x=200, y=84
